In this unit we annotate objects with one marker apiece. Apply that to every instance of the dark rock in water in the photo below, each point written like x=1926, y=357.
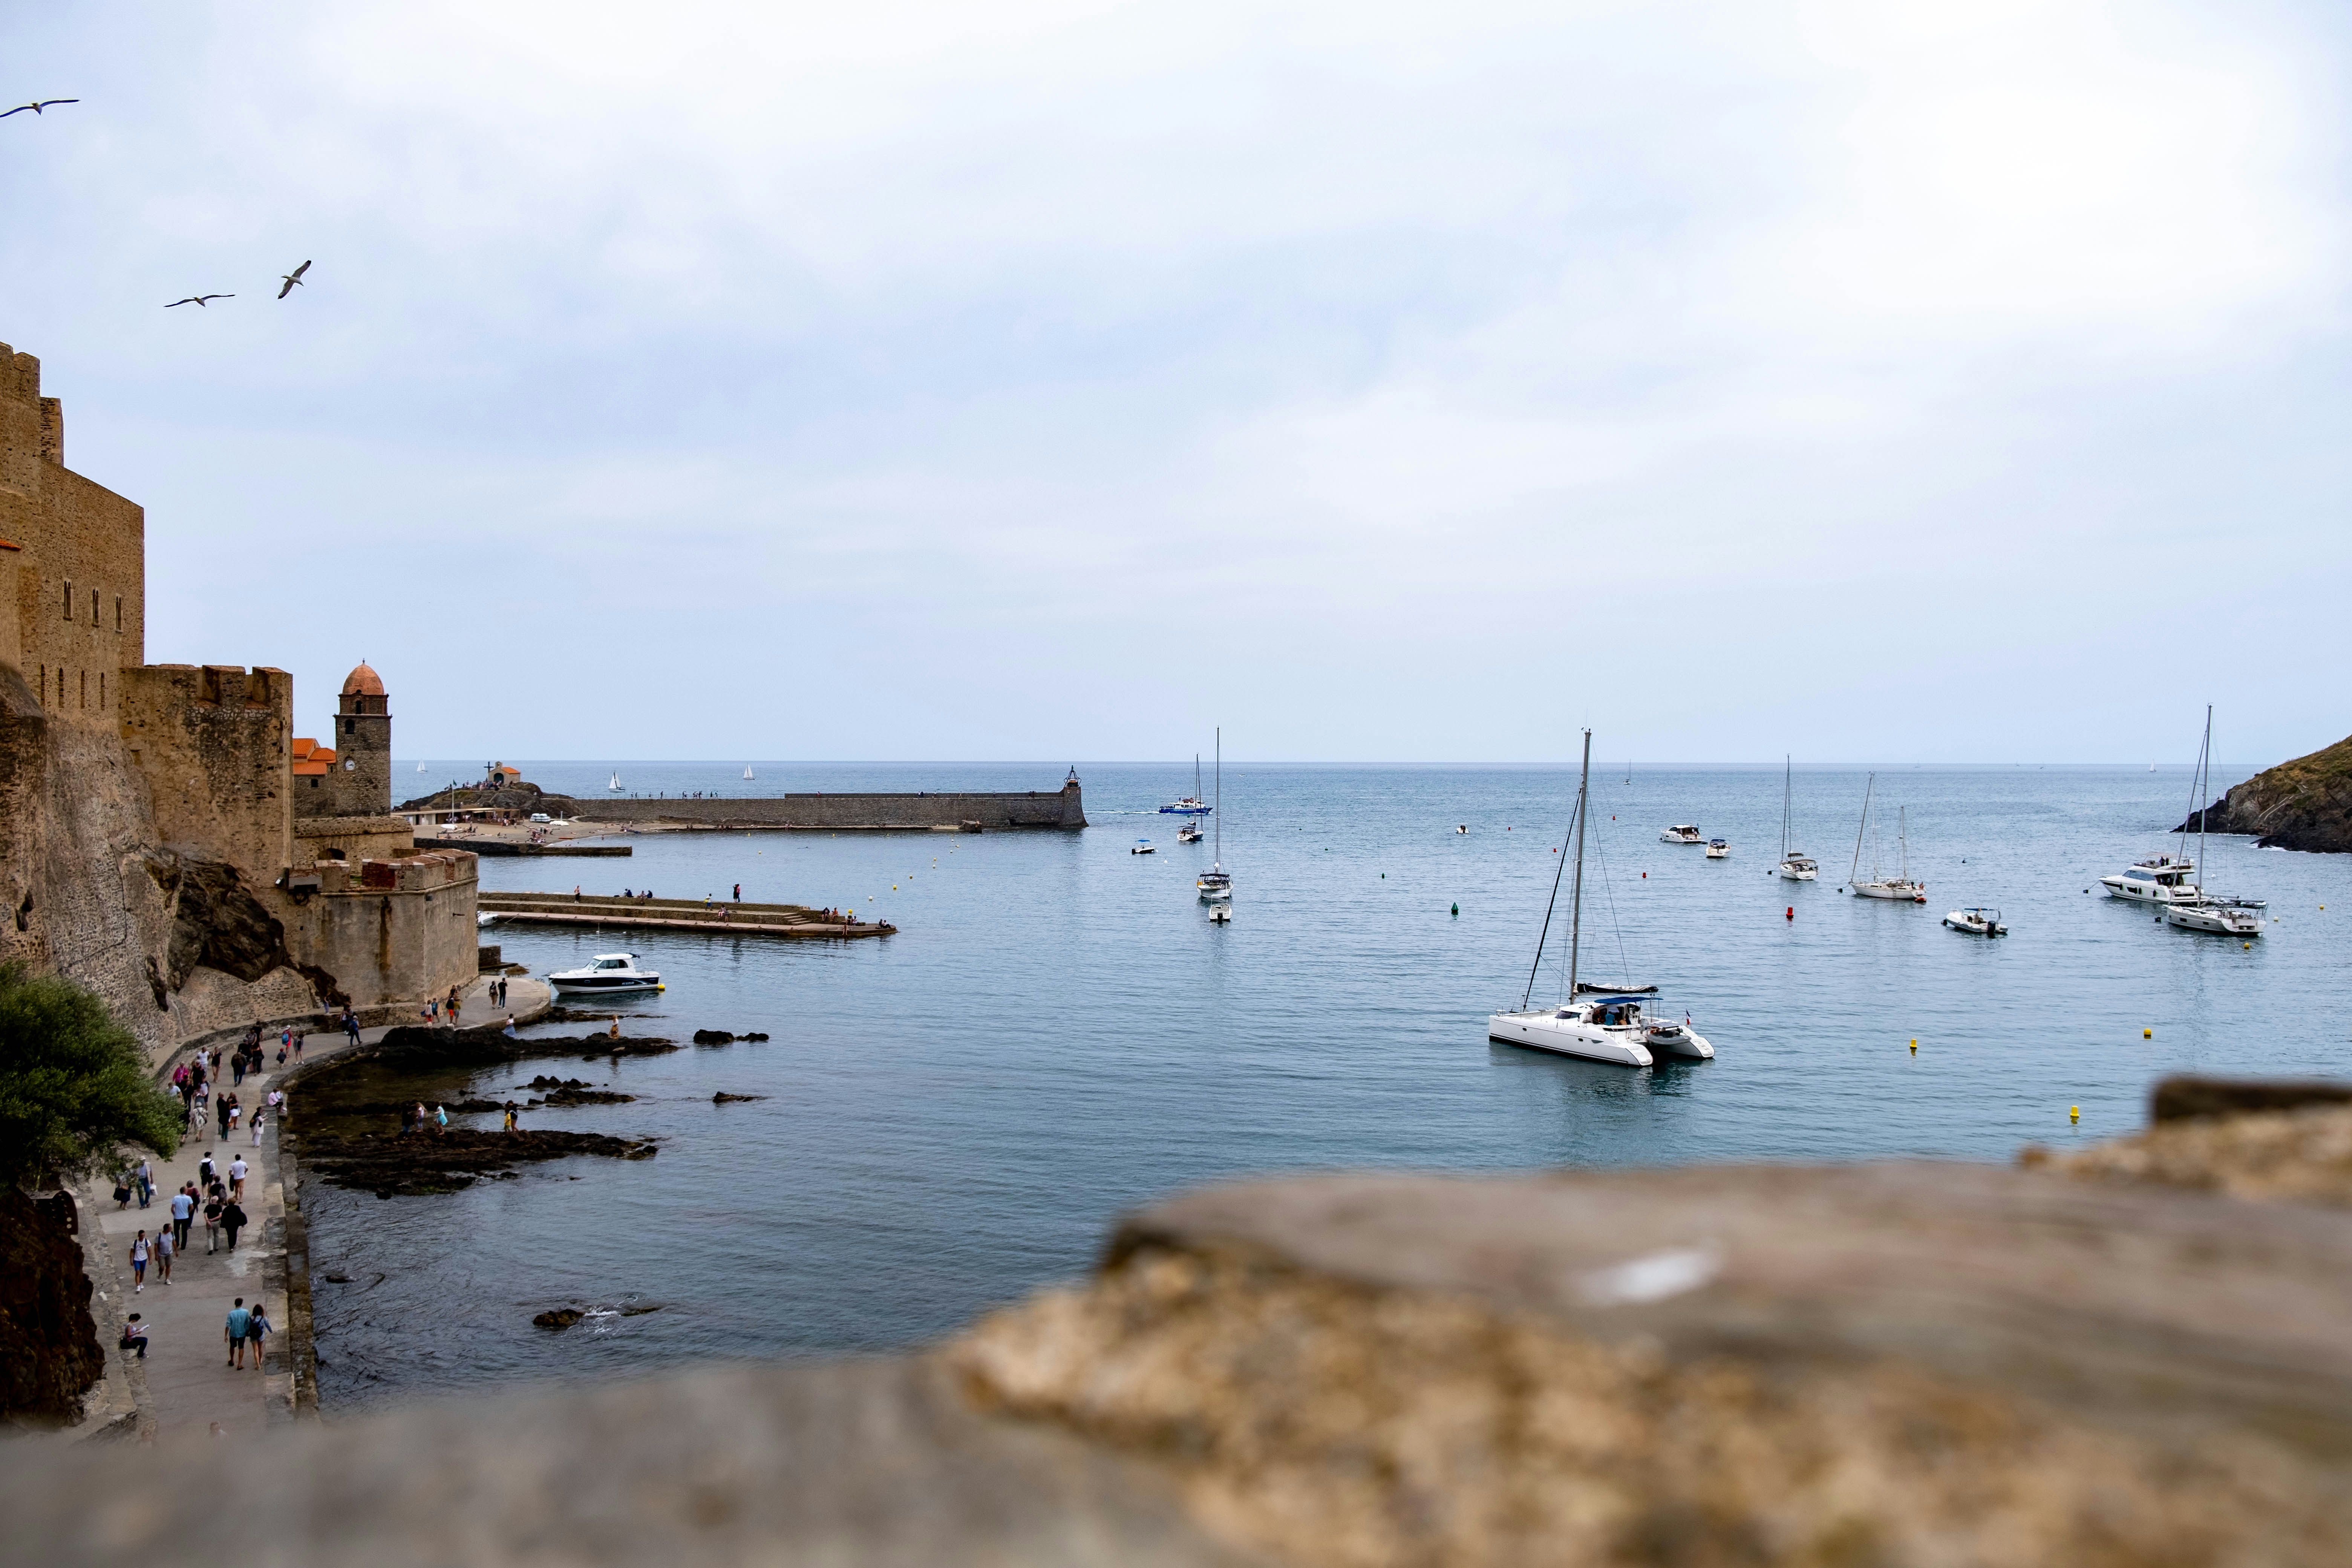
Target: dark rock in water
x=587, y=1097
x=49, y=1353
x=412, y=1048
x=712, y=1037
x=639, y=1311
x=2189, y=1097
x=422, y=1163
x=543, y=1081
x=560, y=1014
x=755, y=1036
x=2305, y=803
x=337, y=1278
x=725, y=1099
x=560, y=1318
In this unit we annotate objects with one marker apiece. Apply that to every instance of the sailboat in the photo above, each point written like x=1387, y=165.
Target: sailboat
x=1900, y=886
x=1192, y=805
x=420, y=767
x=1216, y=884
x=2223, y=917
x=1796, y=866
x=1598, y=1023
x=747, y=770
x=616, y=783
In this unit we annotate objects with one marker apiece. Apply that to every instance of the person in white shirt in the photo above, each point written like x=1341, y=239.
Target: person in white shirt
x=236, y=1178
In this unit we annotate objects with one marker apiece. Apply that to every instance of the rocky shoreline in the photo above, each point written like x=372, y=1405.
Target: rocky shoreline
x=2305, y=803
x=416, y=1164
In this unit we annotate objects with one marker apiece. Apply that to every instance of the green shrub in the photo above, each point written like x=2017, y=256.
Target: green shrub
x=74, y=1085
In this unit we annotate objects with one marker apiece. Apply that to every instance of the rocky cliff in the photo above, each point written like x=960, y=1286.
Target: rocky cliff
x=2303, y=805
x=49, y=1352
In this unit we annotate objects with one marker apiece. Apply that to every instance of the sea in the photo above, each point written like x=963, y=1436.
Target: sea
x=957, y=1115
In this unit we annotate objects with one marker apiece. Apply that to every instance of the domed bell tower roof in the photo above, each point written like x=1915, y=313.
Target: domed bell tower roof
x=363, y=682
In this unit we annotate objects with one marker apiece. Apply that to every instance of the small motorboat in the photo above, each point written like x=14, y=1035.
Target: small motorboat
x=607, y=973
x=1141, y=847
x=1189, y=834
x=483, y=920
x=1221, y=914
x=1718, y=848
x=2223, y=917
x=1682, y=833
x=1975, y=922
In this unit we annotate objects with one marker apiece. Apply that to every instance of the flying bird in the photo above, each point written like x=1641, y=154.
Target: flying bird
x=198, y=300
x=292, y=279
x=39, y=105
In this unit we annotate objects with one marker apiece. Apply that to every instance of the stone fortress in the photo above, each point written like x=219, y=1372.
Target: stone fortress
x=165, y=838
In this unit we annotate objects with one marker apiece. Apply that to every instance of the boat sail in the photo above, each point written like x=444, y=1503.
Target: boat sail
x=1899, y=887
x=1598, y=1023
x=1216, y=884
x=747, y=770
x=615, y=785
x=1796, y=866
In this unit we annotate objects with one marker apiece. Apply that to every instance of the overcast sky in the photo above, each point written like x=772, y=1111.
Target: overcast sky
x=1916, y=383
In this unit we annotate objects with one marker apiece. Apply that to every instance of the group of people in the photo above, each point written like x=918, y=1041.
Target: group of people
x=218, y=1195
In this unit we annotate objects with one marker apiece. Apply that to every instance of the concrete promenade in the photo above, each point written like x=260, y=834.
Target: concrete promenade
x=185, y=1386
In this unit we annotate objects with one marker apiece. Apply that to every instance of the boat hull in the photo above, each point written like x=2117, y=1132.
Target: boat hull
x=589, y=985
x=1569, y=1038
x=1900, y=892
x=2218, y=920
x=1793, y=873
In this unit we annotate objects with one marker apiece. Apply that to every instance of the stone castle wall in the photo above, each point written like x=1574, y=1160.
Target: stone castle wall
x=211, y=743
x=1061, y=808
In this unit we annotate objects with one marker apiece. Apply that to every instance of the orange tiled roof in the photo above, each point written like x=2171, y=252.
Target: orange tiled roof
x=303, y=747
x=303, y=770
x=323, y=754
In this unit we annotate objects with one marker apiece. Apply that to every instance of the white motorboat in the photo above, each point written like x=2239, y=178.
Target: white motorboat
x=606, y=974
x=1215, y=885
x=1796, y=866
x=1221, y=914
x=1975, y=922
x=1192, y=805
x=1718, y=848
x=2161, y=879
x=1189, y=833
x=1141, y=847
x=2221, y=917
x=1682, y=833
x=1899, y=887
x=1601, y=1024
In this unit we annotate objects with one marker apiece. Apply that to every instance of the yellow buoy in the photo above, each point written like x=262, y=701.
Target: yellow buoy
x=2074, y=1113
x=2147, y=1034
x=1914, y=1047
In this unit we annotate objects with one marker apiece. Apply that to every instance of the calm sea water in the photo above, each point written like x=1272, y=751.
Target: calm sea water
x=957, y=1113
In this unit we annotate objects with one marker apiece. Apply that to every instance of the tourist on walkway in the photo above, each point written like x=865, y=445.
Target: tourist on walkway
x=123, y=1190
x=183, y=1214
x=440, y=1120
x=298, y=1043
x=256, y=1329
x=509, y=1030
x=134, y=1336
x=234, y=1110
x=205, y=1171
x=214, y=1204
x=236, y=1169
x=146, y=1178
x=222, y=1112
x=738, y=892
x=237, y=1067
x=232, y=1221
x=260, y=1119
x=139, y=1263
x=239, y=1324
x=352, y=1026
x=162, y=1255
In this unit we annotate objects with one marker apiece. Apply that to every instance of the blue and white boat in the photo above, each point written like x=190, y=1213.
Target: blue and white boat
x=1192, y=805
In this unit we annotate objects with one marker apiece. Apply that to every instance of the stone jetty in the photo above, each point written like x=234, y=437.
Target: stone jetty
x=726, y=918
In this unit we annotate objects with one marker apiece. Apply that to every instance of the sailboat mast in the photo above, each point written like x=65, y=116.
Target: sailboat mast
x=2204, y=787
x=1859, y=827
x=1902, y=839
x=1218, y=860
x=1576, y=900
x=1788, y=773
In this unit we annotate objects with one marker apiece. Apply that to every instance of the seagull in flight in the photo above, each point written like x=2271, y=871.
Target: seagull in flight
x=39, y=105
x=198, y=300
x=292, y=279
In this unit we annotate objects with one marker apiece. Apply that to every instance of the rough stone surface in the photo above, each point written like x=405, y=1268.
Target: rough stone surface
x=2185, y=1097
x=416, y=1164
x=2301, y=1156
x=49, y=1353
x=876, y=1463
x=1897, y=1364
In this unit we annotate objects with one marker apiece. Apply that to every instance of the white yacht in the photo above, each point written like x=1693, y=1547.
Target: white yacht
x=1682, y=833
x=1718, y=848
x=2163, y=879
x=608, y=973
x=1976, y=923
x=1141, y=847
x=1898, y=887
x=1796, y=866
x=1601, y=1024
x=1215, y=885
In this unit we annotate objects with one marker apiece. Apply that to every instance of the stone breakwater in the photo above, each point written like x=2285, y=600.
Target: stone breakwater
x=2096, y=1361
x=963, y=812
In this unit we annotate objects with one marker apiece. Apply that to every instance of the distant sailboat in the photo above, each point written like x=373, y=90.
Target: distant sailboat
x=1796, y=866
x=420, y=767
x=746, y=772
x=1900, y=886
x=615, y=785
x=1216, y=884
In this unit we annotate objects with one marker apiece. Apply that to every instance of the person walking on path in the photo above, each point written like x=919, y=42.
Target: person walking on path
x=298, y=1045
x=183, y=1212
x=145, y=1177
x=213, y=1206
x=205, y=1171
x=239, y=1324
x=164, y=1250
x=260, y=1118
x=236, y=1169
x=122, y=1191
x=257, y=1328
x=738, y=892
x=232, y=1221
x=139, y=1263
x=352, y=1026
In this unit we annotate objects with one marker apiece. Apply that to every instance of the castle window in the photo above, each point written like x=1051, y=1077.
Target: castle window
x=69, y=598
x=93, y=606
x=118, y=612
x=101, y=689
x=85, y=688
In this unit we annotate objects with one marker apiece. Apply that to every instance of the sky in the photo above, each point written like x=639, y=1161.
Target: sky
x=1059, y=379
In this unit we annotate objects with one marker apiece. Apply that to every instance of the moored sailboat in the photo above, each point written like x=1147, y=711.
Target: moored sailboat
x=1898, y=887
x=1215, y=885
x=1796, y=866
x=2220, y=916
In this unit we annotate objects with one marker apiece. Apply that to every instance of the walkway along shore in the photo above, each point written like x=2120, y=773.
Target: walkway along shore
x=184, y=1385
x=678, y=914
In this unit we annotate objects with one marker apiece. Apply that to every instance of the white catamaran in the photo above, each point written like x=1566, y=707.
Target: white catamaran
x=1900, y=886
x=1598, y=1023
x=1216, y=884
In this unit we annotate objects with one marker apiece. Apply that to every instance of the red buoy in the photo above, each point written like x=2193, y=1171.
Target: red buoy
x=1793, y=912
